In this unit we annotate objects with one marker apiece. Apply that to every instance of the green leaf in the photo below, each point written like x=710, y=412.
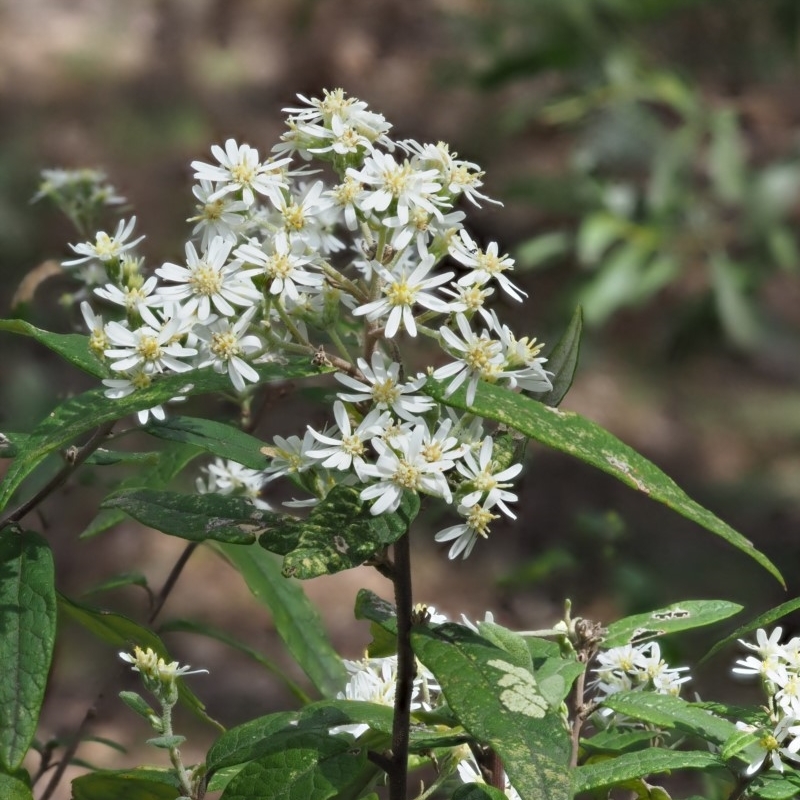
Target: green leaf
x=555, y=677
x=340, y=533
x=72, y=346
x=478, y=791
x=541, y=250
x=572, y=434
x=138, y=704
x=618, y=741
x=123, y=634
x=171, y=461
x=27, y=635
x=166, y=742
x=382, y=614
x=196, y=517
x=761, y=621
x=772, y=786
x=641, y=763
x=726, y=156
x=12, y=788
x=145, y=783
x=676, y=617
x=296, y=620
x=117, y=581
x=563, y=361
x=499, y=703
x=90, y=409
x=217, y=438
x=187, y=626
x=670, y=712
x=597, y=233
x=299, y=766
x=736, y=742
x=735, y=308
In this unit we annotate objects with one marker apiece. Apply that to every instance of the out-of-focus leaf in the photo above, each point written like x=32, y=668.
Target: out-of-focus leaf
x=145, y=783
x=296, y=620
x=597, y=233
x=27, y=636
x=615, y=284
x=726, y=156
x=124, y=634
x=117, y=581
x=541, y=251
x=733, y=306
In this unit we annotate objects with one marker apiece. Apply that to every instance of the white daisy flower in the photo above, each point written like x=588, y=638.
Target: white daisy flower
x=463, y=536
x=224, y=344
x=485, y=482
x=484, y=265
x=105, y=248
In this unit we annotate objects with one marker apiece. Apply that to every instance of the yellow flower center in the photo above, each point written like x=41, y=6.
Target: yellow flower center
x=352, y=445
x=400, y=293
x=149, y=348
x=479, y=519
x=293, y=217
x=206, y=280
x=243, y=174
x=224, y=345
x=385, y=392
x=406, y=475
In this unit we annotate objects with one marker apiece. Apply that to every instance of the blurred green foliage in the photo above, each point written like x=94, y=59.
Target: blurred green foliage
x=671, y=190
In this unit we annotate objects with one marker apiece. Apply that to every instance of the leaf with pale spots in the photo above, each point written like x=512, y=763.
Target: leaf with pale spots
x=496, y=698
x=340, y=533
x=579, y=437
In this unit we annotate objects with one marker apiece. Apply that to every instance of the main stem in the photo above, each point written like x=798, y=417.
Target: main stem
x=398, y=777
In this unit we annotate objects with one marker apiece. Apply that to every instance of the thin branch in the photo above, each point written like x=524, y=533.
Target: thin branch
x=74, y=457
x=398, y=777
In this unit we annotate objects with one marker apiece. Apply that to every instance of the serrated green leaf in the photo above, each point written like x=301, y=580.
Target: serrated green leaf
x=11, y=788
x=123, y=634
x=86, y=411
x=761, y=621
x=217, y=438
x=28, y=630
x=196, y=517
x=72, y=346
x=296, y=620
x=188, y=626
x=340, y=533
x=676, y=617
x=498, y=702
x=563, y=361
x=171, y=461
x=299, y=766
x=641, y=763
x=145, y=783
x=579, y=437
x=670, y=713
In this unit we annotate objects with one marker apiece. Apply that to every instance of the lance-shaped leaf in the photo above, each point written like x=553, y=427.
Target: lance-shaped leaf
x=216, y=438
x=630, y=766
x=562, y=362
x=340, y=533
x=145, y=783
x=676, y=617
x=171, y=460
x=196, y=517
x=71, y=346
x=579, y=437
x=79, y=414
x=499, y=703
x=124, y=634
x=27, y=634
x=670, y=712
x=296, y=620
x=761, y=621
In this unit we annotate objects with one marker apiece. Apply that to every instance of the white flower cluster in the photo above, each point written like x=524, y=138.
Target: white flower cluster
x=778, y=667
x=283, y=263
x=636, y=667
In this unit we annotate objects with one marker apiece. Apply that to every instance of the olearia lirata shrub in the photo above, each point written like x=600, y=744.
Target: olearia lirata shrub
x=343, y=256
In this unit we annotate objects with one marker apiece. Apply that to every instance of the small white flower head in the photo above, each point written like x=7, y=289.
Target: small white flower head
x=105, y=248
x=464, y=536
x=132, y=297
x=484, y=481
x=148, y=348
x=402, y=289
x=239, y=170
x=228, y=477
x=774, y=745
x=290, y=456
x=484, y=265
x=158, y=675
x=348, y=449
x=224, y=345
x=209, y=280
x=98, y=341
x=225, y=216
x=382, y=387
